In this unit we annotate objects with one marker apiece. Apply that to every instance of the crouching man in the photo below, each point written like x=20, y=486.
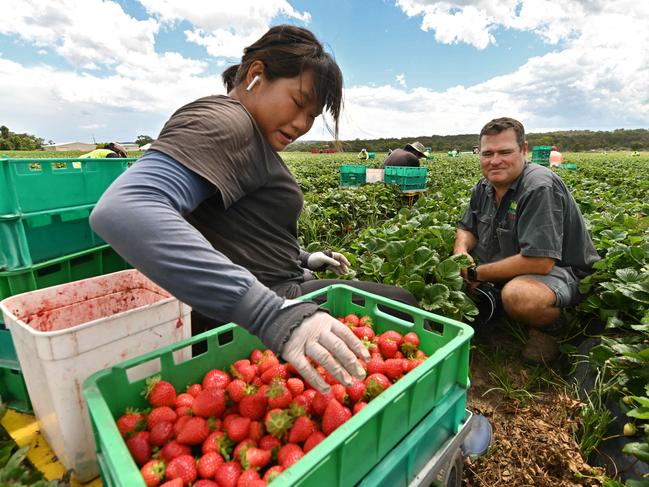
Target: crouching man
x=525, y=234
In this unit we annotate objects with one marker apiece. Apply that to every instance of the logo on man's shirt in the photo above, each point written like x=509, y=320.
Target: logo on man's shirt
x=511, y=212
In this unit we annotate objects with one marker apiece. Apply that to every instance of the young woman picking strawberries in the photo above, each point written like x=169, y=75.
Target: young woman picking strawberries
x=210, y=211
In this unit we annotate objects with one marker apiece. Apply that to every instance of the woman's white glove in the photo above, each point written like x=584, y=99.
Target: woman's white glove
x=337, y=263
x=331, y=344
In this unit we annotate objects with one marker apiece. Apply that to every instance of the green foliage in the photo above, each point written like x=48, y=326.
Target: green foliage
x=143, y=140
x=12, y=141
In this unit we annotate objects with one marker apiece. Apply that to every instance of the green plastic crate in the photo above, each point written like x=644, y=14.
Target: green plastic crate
x=32, y=185
x=350, y=452
x=570, y=167
x=410, y=456
x=73, y=267
x=408, y=178
x=541, y=154
x=31, y=238
x=12, y=384
x=352, y=175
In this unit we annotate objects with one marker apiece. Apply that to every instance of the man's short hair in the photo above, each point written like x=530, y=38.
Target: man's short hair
x=498, y=125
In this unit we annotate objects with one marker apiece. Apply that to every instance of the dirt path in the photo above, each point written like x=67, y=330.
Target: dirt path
x=533, y=419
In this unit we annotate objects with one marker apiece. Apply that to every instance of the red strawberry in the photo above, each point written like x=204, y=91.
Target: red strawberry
x=194, y=432
x=219, y=442
x=276, y=371
x=278, y=395
x=278, y=422
x=184, y=411
x=247, y=443
x=238, y=428
x=351, y=319
x=250, y=478
x=209, y=402
x=139, y=446
x=366, y=321
x=313, y=439
x=376, y=365
x=159, y=392
x=256, y=430
x=172, y=450
x=358, y=406
x=268, y=361
x=131, y=421
x=228, y=474
x=244, y=370
x=182, y=467
x=161, y=414
x=236, y=390
x=387, y=346
x=301, y=430
x=289, y=454
x=161, y=433
x=216, y=378
x=413, y=363
x=208, y=463
x=268, y=442
x=409, y=343
x=320, y=402
x=252, y=457
x=184, y=399
x=256, y=355
x=173, y=483
x=295, y=385
x=205, y=483
x=356, y=390
x=334, y=416
x=153, y=472
x=253, y=405
x=393, y=368
x=300, y=405
x=272, y=473
x=339, y=393
x=364, y=332
x=375, y=384
x=194, y=389
x=180, y=424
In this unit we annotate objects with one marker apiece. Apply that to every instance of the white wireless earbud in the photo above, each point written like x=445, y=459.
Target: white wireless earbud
x=252, y=83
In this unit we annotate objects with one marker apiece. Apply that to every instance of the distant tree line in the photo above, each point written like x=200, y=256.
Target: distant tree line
x=569, y=141
x=12, y=141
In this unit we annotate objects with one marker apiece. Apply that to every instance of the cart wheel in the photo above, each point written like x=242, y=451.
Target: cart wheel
x=451, y=474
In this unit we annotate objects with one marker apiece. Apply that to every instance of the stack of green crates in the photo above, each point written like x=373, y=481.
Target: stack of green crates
x=355, y=448
x=408, y=178
x=352, y=175
x=541, y=154
x=45, y=237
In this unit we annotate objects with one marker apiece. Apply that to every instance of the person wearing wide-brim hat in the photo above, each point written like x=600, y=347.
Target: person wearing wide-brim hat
x=408, y=156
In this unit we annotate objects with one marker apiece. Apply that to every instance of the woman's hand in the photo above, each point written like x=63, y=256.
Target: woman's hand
x=331, y=344
x=328, y=260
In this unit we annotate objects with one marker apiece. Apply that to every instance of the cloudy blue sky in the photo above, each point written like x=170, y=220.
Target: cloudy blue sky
x=71, y=70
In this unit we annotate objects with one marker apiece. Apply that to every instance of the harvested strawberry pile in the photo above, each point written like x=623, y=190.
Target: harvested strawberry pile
x=244, y=426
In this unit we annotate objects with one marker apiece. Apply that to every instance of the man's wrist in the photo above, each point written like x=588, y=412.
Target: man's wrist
x=472, y=273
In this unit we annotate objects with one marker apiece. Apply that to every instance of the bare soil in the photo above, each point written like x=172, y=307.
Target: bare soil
x=533, y=436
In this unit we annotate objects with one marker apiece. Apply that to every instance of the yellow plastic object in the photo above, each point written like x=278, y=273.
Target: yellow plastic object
x=24, y=430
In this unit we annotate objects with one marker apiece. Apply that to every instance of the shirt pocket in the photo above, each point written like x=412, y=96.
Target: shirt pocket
x=508, y=242
x=484, y=228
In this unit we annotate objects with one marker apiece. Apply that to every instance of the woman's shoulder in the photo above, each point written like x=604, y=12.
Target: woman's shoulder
x=215, y=107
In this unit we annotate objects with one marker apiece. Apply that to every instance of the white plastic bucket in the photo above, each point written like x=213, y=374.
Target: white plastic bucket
x=65, y=333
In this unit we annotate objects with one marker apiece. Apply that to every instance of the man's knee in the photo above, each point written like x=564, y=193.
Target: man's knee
x=525, y=298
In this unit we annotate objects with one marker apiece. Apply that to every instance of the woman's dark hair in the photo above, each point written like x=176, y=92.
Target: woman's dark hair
x=288, y=51
x=498, y=125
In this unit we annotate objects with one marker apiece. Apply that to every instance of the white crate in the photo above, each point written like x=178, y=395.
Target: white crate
x=65, y=333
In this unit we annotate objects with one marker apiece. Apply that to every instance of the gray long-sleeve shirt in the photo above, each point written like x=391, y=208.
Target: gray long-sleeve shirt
x=142, y=215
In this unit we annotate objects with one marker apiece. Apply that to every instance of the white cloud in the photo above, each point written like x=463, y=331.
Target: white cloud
x=223, y=28
x=401, y=80
x=596, y=80
x=87, y=33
